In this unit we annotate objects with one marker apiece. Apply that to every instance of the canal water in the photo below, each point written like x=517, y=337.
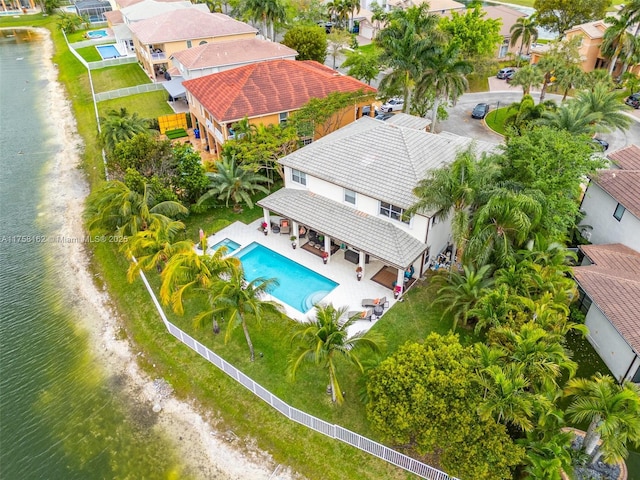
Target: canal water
x=61, y=415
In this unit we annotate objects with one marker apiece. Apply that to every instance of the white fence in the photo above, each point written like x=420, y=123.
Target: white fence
x=124, y=92
x=328, y=429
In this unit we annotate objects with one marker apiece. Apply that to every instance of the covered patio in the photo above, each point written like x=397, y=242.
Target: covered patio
x=375, y=246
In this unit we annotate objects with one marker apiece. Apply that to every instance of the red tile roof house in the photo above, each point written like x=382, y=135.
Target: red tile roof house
x=609, y=284
x=158, y=38
x=611, y=202
x=266, y=93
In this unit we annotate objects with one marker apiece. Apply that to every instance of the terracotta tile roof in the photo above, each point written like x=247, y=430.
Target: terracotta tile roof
x=114, y=17
x=233, y=52
x=268, y=87
x=593, y=29
x=188, y=24
x=623, y=186
x=508, y=16
x=627, y=158
x=613, y=284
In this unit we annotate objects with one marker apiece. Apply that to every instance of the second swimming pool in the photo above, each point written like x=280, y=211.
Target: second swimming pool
x=108, y=51
x=298, y=286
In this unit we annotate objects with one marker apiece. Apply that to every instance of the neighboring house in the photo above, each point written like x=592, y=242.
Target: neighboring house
x=611, y=202
x=609, y=284
x=158, y=38
x=220, y=56
x=354, y=185
x=266, y=93
x=435, y=6
x=509, y=17
x=592, y=35
x=94, y=10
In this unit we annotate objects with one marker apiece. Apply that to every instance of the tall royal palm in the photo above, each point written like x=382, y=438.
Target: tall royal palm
x=613, y=413
x=324, y=339
x=631, y=11
x=409, y=36
x=120, y=125
x=234, y=299
x=572, y=117
x=526, y=30
x=615, y=39
x=444, y=73
x=605, y=103
x=233, y=183
x=114, y=207
x=268, y=12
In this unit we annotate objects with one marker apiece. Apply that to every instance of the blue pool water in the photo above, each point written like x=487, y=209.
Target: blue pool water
x=97, y=34
x=230, y=244
x=298, y=286
x=108, y=51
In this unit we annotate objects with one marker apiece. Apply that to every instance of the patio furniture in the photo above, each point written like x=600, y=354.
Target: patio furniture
x=285, y=226
x=354, y=257
x=375, y=302
x=362, y=314
x=275, y=228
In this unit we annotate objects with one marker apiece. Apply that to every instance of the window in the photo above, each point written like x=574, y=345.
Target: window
x=203, y=42
x=283, y=117
x=393, y=212
x=350, y=196
x=188, y=43
x=299, y=177
x=619, y=212
x=306, y=141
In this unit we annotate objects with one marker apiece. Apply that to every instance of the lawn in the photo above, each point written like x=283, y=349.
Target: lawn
x=495, y=120
x=146, y=105
x=90, y=54
x=120, y=76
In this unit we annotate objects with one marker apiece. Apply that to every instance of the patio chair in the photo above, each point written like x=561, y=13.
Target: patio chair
x=366, y=314
x=285, y=226
x=375, y=302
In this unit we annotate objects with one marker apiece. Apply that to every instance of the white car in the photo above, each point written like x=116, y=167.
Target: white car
x=392, y=105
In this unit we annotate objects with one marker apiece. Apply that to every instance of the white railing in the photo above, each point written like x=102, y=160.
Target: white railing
x=124, y=92
x=111, y=62
x=331, y=430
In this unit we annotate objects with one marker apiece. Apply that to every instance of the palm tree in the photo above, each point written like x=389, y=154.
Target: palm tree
x=266, y=11
x=462, y=291
x=120, y=125
x=353, y=7
x=613, y=413
x=603, y=102
x=115, y=207
x=525, y=29
x=232, y=182
x=502, y=225
x=528, y=77
x=615, y=39
x=631, y=11
x=409, y=37
x=153, y=247
x=325, y=338
x=507, y=397
x=572, y=117
x=570, y=77
x=546, y=459
x=540, y=355
x=494, y=308
x=452, y=190
x=444, y=73
x=186, y=270
x=339, y=11
x=235, y=298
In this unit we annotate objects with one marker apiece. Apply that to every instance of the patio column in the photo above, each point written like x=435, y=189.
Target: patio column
x=327, y=245
x=266, y=217
x=399, y=283
x=361, y=260
x=295, y=230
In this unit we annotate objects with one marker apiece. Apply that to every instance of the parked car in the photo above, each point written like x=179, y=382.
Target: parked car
x=392, y=105
x=633, y=100
x=383, y=116
x=509, y=76
x=480, y=110
x=502, y=74
x=603, y=144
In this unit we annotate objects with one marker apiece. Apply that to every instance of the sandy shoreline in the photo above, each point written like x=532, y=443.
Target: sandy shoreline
x=207, y=453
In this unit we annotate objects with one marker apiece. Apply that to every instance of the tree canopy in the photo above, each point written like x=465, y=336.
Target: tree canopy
x=560, y=15
x=473, y=34
x=309, y=41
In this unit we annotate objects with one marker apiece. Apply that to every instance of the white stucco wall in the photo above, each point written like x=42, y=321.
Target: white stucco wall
x=599, y=207
x=607, y=341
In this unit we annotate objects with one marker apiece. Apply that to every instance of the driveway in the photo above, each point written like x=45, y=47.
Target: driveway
x=461, y=123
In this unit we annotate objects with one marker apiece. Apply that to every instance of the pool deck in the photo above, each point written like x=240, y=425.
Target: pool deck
x=349, y=292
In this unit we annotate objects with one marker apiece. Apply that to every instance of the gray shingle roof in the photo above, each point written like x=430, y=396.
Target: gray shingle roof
x=379, y=159
x=375, y=236
x=409, y=121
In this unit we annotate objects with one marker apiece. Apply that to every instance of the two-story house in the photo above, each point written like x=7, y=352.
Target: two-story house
x=266, y=93
x=157, y=38
x=353, y=187
x=611, y=202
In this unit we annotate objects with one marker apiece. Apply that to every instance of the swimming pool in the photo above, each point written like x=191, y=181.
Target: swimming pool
x=108, y=51
x=298, y=286
x=97, y=34
x=230, y=244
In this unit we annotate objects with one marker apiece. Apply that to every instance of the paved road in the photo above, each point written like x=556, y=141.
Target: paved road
x=461, y=123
